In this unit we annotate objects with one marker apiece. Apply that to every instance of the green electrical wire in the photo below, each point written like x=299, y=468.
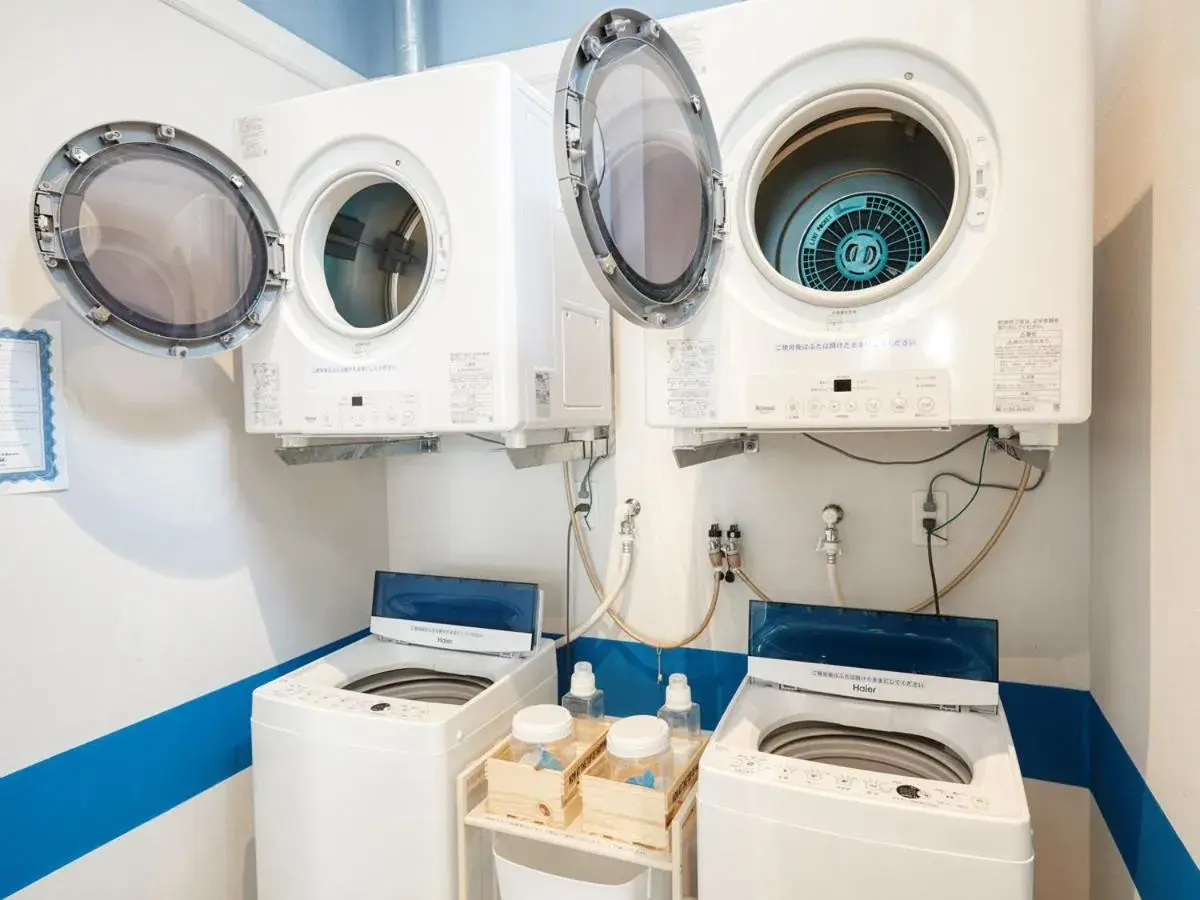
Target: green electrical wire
x=978, y=488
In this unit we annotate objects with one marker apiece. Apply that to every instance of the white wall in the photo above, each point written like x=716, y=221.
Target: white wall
x=184, y=556
x=1146, y=620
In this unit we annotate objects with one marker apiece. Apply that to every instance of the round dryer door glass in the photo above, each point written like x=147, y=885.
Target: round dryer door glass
x=157, y=239
x=638, y=168
x=850, y=207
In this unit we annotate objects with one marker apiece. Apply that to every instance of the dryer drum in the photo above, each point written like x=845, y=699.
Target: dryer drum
x=424, y=685
x=891, y=753
x=376, y=256
x=854, y=200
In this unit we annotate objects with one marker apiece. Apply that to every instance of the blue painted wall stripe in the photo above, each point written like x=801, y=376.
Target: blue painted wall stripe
x=1155, y=855
x=58, y=809
x=63, y=807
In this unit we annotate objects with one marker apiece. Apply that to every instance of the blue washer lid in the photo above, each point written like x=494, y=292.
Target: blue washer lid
x=943, y=646
x=447, y=607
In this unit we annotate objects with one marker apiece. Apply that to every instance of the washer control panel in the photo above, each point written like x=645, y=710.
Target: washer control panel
x=912, y=399
x=370, y=412
x=345, y=701
x=852, y=782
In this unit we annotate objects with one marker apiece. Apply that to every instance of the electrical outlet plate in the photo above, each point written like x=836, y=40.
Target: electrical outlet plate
x=918, y=514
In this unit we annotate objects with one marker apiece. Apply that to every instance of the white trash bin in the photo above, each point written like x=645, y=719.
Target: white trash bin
x=531, y=870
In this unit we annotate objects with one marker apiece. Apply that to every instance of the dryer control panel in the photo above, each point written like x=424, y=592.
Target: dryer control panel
x=905, y=399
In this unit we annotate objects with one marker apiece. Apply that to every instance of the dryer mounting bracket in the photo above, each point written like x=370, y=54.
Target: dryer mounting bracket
x=692, y=449
x=598, y=444
x=298, y=451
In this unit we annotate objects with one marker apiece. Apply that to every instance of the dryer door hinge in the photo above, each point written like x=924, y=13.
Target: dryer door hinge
x=45, y=223
x=720, y=227
x=276, y=260
x=574, y=137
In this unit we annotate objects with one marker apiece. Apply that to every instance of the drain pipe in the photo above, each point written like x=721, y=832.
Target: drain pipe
x=410, y=35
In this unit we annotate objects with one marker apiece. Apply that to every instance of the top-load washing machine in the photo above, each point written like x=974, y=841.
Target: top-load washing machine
x=383, y=251
x=356, y=754
x=862, y=214
x=866, y=754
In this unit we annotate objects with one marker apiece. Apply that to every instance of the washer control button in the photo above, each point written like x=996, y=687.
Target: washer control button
x=899, y=404
x=851, y=406
x=814, y=408
x=872, y=405
x=926, y=405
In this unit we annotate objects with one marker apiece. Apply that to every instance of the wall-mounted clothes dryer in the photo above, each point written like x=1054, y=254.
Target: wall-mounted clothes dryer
x=383, y=254
x=841, y=216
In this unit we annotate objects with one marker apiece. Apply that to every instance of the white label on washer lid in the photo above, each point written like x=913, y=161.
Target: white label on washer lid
x=1027, y=372
x=252, y=137
x=471, y=388
x=266, y=408
x=691, y=379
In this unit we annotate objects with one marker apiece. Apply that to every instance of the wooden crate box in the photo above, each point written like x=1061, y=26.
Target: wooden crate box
x=632, y=813
x=541, y=795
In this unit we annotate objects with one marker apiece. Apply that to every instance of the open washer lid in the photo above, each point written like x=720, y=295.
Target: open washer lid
x=157, y=239
x=949, y=662
x=466, y=614
x=639, y=168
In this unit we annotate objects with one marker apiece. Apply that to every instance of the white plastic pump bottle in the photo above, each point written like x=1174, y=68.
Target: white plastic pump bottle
x=584, y=700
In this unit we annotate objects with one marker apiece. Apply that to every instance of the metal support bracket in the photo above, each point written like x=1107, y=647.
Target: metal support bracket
x=708, y=451
x=561, y=451
x=342, y=451
x=1038, y=457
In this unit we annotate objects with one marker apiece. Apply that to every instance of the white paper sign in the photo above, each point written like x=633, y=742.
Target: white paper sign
x=31, y=437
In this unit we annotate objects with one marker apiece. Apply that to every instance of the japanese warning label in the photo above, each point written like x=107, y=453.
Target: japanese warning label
x=266, y=408
x=691, y=379
x=470, y=388
x=541, y=392
x=252, y=137
x=1027, y=377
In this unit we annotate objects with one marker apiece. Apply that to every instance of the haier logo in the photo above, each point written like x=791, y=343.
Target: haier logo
x=862, y=688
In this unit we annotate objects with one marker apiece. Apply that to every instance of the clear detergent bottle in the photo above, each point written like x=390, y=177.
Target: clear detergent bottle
x=679, y=712
x=584, y=700
x=543, y=736
x=639, y=752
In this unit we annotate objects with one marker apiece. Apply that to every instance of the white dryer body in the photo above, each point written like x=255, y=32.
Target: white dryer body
x=839, y=216
x=480, y=339
x=383, y=253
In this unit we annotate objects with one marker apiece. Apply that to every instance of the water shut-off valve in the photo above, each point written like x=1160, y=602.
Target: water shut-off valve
x=725, y=551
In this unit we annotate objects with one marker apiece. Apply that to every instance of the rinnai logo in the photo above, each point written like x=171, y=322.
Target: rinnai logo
x=862, y=689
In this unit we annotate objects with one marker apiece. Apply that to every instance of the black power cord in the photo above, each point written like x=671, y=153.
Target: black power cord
x=929, y=522
x=899, y=462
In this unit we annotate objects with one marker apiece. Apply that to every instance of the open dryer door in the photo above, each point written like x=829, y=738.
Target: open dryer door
x=638, y=166
x=157, y=239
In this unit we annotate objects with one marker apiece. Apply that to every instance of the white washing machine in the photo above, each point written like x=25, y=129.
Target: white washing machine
x=356, y=754
x=863, y=214
x=843, y=781
x=384, y=251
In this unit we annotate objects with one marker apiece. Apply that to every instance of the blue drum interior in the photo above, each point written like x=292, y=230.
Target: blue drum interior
x=854, y=200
